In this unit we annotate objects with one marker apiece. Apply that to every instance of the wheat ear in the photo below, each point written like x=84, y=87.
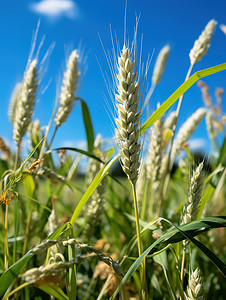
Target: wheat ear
x=194, y=288
x=25, y=104
x=154, y=162
x=160, y=65
x=197, y=52
x=158, y=71
x=128, y=126
x=128, y=116
x=187, y=129
x=192, y=205
x=170, y=121
x=202, y=44
x=13, y=102
x=154, y=157
x=95, y=207
x=70, y=84
x=194, y=194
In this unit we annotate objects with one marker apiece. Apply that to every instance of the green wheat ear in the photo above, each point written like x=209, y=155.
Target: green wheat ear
x=25, y=103
x=128, y=115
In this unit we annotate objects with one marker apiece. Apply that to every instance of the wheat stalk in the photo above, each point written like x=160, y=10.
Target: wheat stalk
x=141, y=181
x=197, y=52
x=127, y=130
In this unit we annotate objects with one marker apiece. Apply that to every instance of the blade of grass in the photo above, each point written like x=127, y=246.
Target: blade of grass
x=16, y=229
x=222, y=156
x=88, y=124
x=76, y=150
x=53, y=290
x=180, y=91
x=94, y=184
x=178, y=234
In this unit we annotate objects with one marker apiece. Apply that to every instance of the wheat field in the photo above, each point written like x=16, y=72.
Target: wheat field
x=154, y=232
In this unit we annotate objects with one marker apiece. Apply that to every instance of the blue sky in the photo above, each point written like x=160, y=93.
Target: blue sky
x=70, y=23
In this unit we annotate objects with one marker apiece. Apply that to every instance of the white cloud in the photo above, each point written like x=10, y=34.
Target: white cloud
x=56, y=8
x=197, y=144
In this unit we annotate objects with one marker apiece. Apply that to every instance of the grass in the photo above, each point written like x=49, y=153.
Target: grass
x=64, y=236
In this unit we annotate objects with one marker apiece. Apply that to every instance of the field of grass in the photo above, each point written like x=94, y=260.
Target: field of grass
x=155, y=233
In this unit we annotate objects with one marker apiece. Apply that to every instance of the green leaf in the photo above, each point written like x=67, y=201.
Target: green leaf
x=205, y=198
x=53, y=290
x=176, y=235
x=180, y=91
x=94, y=184
x=72, y=274
x=36, y=201
x=88, y=124
x=222, y=156
x=76, y=150
x=28, y=185
x=221, y=266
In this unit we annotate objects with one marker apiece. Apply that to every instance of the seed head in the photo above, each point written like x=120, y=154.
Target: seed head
x=194, y=288
x=160, y=64
x=155, y=154
x=13, y=102
x=194, y=194
x=25, y=103
x=70, y=84
x=187, y=129
x=128, y=116
x=202, y=44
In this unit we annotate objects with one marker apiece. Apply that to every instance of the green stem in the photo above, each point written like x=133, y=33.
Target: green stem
x=6, y=251
x=27, y=230
x=17, y=157
x=137, y=218
x=144, y=202
x=182, y=265
x=54, y=133
x=150, y=200
x=143, y=271
x=16, y=290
